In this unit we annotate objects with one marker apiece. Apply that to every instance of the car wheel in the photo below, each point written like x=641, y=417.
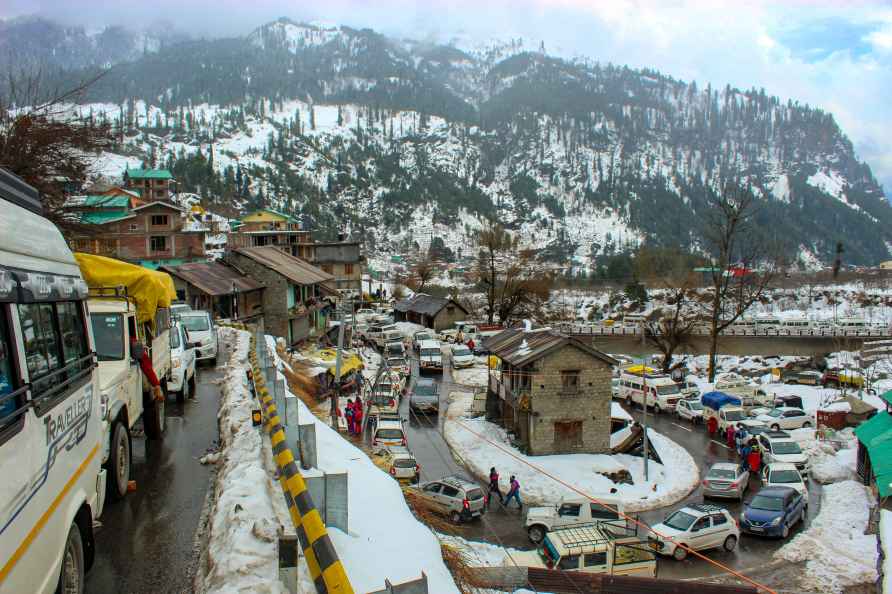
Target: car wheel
x=536, y=533
x=775, y=427
x=183, y=394
x=730, y=543
x=806, y=425
x=192, y=386
x=657, y=409
x=118, y=465
x=785, y=532
x=153, y=415
x=71, y=578
x=680, y=553
x=629, y=402
x=456, y=517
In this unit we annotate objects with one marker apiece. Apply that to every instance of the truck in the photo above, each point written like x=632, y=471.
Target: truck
x=539, y=521
x=53, y=486
x=129, y=311
x=727, y=410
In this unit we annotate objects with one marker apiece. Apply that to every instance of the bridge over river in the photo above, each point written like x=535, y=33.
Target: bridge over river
x=749, y=341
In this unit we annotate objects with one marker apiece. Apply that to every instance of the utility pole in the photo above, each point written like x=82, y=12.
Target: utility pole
x=336, y=398
x=644, y=384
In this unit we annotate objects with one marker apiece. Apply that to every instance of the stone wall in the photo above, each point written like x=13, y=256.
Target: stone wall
x=275, y=296
x=551, y=404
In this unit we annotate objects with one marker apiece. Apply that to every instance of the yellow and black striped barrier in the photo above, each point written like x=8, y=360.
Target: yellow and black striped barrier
x=326, y=569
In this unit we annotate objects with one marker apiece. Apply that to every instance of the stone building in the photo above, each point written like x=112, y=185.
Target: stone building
x=437, y=313
x=297, y=296
x=551, y=391
x=341, y=259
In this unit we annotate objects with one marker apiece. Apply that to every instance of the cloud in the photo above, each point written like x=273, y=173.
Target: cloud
x=832, y=55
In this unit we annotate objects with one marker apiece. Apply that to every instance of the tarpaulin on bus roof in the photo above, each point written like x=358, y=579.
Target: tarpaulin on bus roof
x=716, y=400
x=150, y=289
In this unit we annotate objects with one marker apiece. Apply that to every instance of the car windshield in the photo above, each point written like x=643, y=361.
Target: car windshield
x=721, y=473
x=461, y=351
x=175, y=337
x=680, y=520
x=734, y=415
x=430, y=352
x=195, y=323
x=785, y=476
x=389, y=434
x=423, y=336
x=475, y=494
x=786, y=447
x=404, y=463
x=774, y=413
x=767, y=503
x=669, y=389
x=108, y=333
x=694, y=405
x=425, y=389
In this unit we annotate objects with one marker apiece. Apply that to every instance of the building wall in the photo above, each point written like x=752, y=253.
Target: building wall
x=549, y=404
x=275, y=296
x=151, y=189
x=343, y=260
x=448, y=316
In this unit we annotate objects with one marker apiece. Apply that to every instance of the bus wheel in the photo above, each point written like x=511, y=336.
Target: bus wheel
x=71, y=578
x=118, y=465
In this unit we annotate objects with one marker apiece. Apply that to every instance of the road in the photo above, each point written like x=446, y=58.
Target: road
x=146, y=544
x=424, y=435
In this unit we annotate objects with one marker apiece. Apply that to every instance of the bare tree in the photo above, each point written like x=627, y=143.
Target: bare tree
x=421, y=273
x=521, y=289
x=743, y=263
x=47, y=145
x=495, y=246
x=670, y=327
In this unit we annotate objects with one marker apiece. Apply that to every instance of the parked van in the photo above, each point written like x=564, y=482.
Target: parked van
x=430, y=357
x=51, y=413
x=592, y=548
x=662, y=392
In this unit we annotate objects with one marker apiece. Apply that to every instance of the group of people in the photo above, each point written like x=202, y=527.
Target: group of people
x=353, y=415
x=494, y=488
x=747, y=447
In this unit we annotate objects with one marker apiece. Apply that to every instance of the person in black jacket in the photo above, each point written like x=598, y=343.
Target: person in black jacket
x=494, y=487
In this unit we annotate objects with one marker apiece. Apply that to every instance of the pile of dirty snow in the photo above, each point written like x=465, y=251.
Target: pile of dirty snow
x=836, y=551
x=668, y=482
x=243, y=553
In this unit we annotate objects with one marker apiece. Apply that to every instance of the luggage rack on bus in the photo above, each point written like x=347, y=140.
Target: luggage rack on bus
x=115, y=292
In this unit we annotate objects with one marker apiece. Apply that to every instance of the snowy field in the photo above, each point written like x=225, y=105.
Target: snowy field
x=836, y=551
x=472, y=440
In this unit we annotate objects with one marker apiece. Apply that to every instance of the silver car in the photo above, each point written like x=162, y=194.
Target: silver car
x=454, y=497
x=726, y=480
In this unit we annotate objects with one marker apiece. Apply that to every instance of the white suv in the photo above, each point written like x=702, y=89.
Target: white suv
x=786, y=417
x=778, y=446
x=697, y=527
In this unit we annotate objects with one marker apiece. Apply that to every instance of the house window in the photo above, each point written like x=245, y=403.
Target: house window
x=568, y=434
x=158, y=243
x=570, y=381
x=348, y=269
x=134, y=227
x=159, y=220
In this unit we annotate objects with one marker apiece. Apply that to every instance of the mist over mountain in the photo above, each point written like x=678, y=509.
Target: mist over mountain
x=400, y=141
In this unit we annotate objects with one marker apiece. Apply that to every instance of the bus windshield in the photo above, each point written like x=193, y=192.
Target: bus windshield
x=108, y=333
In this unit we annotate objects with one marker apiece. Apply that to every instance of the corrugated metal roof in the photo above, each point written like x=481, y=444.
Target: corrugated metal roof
x=876, y=435
x=213, y=278
x=104, y=216
x=107, y=201
x=296, y=270
x=149, y=174
x=519, y=347
x=425, y=304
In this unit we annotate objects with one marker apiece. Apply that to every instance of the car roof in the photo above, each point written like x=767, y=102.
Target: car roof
x=725, y=466
x=425, y=380
x=458, y=481
x=430, y=343
x=704, y=508
x=776, y=435
x=385, y=423
x=781, y=466
x=192, y=313
x=785, y=408
x=776, y=491
x=417, y=332
x=459, y=346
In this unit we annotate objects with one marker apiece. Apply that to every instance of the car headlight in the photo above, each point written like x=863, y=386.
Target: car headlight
x=776, y=521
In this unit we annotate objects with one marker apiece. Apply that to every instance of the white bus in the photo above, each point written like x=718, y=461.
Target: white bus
x=52, y=487
x=662, y=393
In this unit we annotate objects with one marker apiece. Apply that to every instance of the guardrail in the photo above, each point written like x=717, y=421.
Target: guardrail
x=326, y=569
x=593, y=330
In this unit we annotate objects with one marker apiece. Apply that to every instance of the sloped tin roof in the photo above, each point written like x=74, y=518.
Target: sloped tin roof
x=518, y=347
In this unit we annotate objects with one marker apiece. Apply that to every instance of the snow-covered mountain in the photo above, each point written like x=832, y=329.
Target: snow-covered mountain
x=407, y=142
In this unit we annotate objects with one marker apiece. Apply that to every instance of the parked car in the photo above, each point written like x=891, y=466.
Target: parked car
x=182, y=363
x=461, y=356
x=614, y=387
x=699, y=527
x=200, y=329
x=425, y=396
x=784, y=474
x=394, y=348
x=539, y=521
x=688, y=389
x=689, y=409
x=778, y=446
x=399, y=364
x=178, y=307
x=420, y=337
x=399, y=463
x=452, y=496
x=430, y=357
x=389, y=431
x=773, y=511
x=786, y=417
x=726, y=479
x=803, y=378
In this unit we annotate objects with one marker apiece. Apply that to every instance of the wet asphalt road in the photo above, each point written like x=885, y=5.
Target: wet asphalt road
x=146, y=543
x=505, y=527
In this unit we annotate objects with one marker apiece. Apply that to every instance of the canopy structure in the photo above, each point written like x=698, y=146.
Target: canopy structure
x=149, y=289
x=875, y=435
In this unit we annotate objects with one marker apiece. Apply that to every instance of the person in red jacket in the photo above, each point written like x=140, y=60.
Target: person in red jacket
x=139, y=353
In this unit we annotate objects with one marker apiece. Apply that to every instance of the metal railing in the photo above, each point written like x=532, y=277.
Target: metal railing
x=599, y=330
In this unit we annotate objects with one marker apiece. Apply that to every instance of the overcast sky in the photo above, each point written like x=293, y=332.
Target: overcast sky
x=835, y=55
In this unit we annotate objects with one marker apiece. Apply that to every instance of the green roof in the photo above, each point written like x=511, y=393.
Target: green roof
x=102, y=217
x=887, y=397
x=149, y=174
x=288, y=217
x=876, y=435
x=107, y=201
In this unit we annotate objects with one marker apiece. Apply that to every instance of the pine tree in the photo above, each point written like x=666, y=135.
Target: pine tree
x=313, y=117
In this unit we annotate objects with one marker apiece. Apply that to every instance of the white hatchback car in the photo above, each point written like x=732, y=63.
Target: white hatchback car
x=182, y=364
x=786, y=475
x=689, y=409
x=787, y=417
x=461, y=356
x=698, y=527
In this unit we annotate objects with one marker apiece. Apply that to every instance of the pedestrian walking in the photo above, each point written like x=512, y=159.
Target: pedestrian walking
x=514, y=493
x=741, y=437
x=712, y=426
x=348, y=415
x=471, y=344
x=494, y=487
x=729, y=437
x=744, y=455
x=357, y=418
x=754, y=458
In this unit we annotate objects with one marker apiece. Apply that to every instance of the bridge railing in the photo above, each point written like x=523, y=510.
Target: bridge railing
x=618, y=330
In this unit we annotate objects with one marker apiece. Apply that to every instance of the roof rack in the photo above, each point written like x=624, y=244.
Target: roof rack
x=576, y=537
x=116, y=292
x=706, y=507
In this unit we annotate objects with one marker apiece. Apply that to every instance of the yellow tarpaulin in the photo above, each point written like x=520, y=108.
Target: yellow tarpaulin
x=639, y=369
x=150, y=289
x=349, y=363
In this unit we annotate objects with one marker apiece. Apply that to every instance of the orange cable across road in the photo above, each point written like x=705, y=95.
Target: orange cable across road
x=721, y=566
